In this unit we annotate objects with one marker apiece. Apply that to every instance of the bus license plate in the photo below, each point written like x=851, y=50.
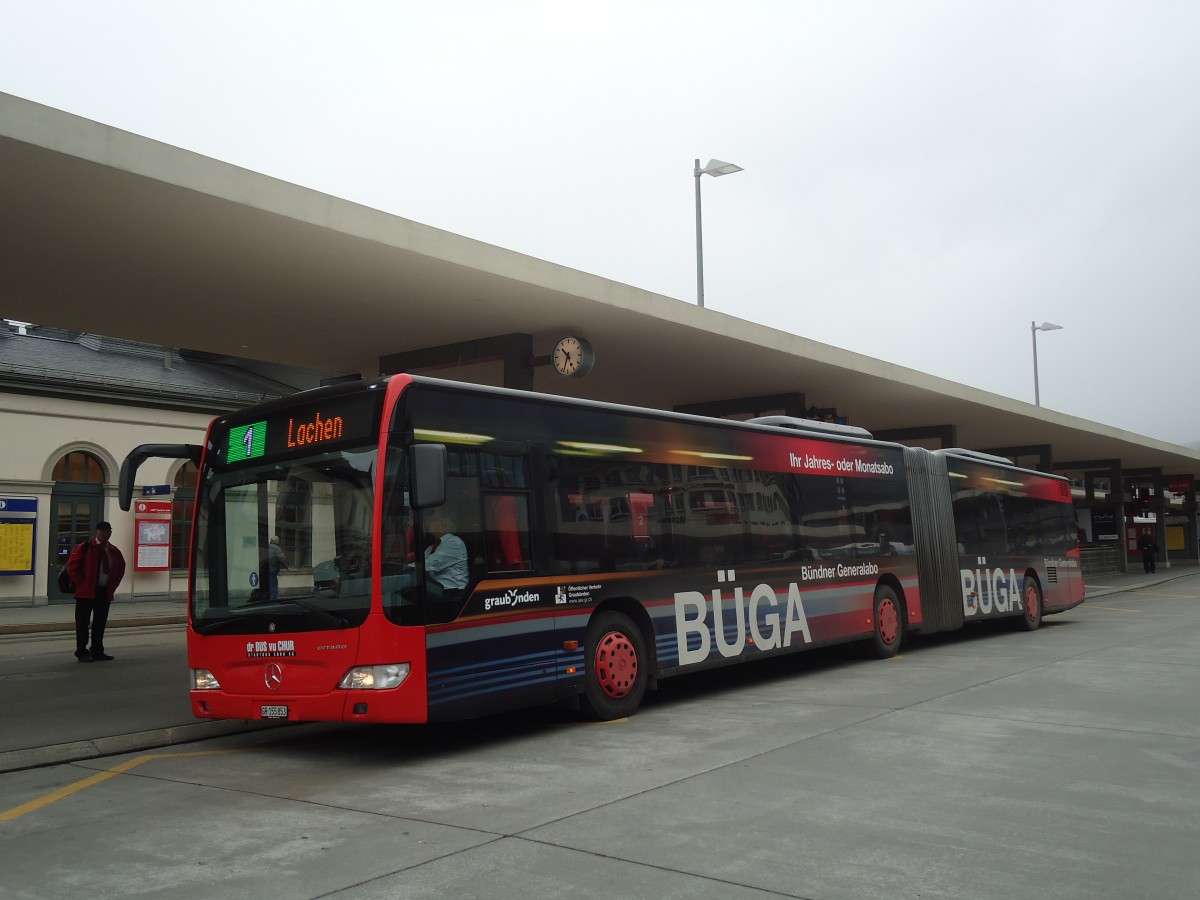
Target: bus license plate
x=274, y=712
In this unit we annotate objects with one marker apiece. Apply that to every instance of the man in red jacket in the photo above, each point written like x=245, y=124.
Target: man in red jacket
x=96, y=567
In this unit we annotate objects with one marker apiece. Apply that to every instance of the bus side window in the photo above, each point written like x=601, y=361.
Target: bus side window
x=506, y=542
x=506, y=524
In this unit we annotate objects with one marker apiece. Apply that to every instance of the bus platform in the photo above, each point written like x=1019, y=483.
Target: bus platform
x=66, y=712
x=124, y=613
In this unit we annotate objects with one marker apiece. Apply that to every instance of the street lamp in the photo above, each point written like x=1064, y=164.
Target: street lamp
x=715, y=168
x=1034, y=328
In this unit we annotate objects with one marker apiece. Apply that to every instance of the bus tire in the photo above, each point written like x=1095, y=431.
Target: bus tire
x=889, y=623
x=1031, y=603
x=615, y=656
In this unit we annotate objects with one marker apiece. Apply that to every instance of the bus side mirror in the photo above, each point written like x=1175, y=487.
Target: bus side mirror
x=139, y=455
x=427, y=475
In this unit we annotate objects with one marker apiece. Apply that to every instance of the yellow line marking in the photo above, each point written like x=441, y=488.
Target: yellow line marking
x=1113, y=608
x=120, y=769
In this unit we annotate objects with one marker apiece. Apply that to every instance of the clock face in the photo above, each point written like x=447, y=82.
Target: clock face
x=572, y=356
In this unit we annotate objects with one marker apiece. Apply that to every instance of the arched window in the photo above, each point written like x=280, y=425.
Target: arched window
x=183, y=504
x=79, y=465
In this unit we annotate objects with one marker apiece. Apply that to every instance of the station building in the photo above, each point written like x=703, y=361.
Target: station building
x=71, y=406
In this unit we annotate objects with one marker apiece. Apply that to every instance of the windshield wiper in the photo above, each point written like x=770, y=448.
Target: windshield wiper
x=342, y=621
x=219, y=625
x=258, y=612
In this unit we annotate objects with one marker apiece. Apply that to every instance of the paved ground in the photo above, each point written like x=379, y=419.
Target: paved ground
x=146, y=705
x=985, y=764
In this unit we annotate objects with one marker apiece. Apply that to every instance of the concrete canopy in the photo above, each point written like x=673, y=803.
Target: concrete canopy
x=109, y=232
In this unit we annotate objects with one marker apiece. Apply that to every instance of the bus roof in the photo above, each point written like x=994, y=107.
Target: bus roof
x=811, y=425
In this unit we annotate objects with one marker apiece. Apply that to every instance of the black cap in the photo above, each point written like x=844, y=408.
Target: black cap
x=104, y=526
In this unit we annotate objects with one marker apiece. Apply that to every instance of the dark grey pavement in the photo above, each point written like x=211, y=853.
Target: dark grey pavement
x=54, y=709
x=986, y=764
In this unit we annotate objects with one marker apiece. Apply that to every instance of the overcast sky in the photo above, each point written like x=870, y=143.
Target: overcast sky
x=922, y=179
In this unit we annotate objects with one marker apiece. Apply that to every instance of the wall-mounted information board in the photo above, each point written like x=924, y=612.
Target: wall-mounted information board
x=18, y=530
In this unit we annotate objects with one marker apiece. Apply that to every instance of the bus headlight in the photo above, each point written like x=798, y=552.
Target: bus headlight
x=204, y=680
x=375, y=678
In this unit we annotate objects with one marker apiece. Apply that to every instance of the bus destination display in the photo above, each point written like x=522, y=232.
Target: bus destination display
x=304, y=429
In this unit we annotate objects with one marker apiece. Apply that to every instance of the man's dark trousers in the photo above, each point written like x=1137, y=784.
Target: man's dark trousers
x=95, y=611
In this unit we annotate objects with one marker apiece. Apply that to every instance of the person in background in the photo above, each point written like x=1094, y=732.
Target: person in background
x=1149, y=548
x=96, y=567
x=275, y=562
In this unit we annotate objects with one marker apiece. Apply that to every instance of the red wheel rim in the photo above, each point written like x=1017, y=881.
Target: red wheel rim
x=1033, y=610
x=616, y=665
x=888, y=620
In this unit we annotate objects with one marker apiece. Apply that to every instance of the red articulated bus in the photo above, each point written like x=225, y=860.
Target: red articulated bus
x=600, y=548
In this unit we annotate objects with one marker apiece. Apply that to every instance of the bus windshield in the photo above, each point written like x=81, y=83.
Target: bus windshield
x=286, y=545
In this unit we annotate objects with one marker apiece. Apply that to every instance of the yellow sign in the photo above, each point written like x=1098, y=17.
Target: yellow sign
x=16, y=547
x=1175, y=539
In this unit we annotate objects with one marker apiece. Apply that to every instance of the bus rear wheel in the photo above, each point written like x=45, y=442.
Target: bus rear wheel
x=889, y=623
x=615, y=656
x=1031, y=599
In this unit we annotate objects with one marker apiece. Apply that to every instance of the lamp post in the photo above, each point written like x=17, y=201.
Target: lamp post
x=1166, y=502
x=1034, y=328
x=715, y=168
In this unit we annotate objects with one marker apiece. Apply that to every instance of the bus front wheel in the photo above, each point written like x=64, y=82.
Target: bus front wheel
x=615, y=657
x=889, y=623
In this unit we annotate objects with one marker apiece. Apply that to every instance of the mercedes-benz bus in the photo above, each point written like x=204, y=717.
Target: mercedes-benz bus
x=604, y=548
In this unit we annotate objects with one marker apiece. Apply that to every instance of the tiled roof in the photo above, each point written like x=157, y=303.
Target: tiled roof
x=56, y=361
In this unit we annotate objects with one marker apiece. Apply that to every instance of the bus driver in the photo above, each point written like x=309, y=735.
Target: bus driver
x=446, y=558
